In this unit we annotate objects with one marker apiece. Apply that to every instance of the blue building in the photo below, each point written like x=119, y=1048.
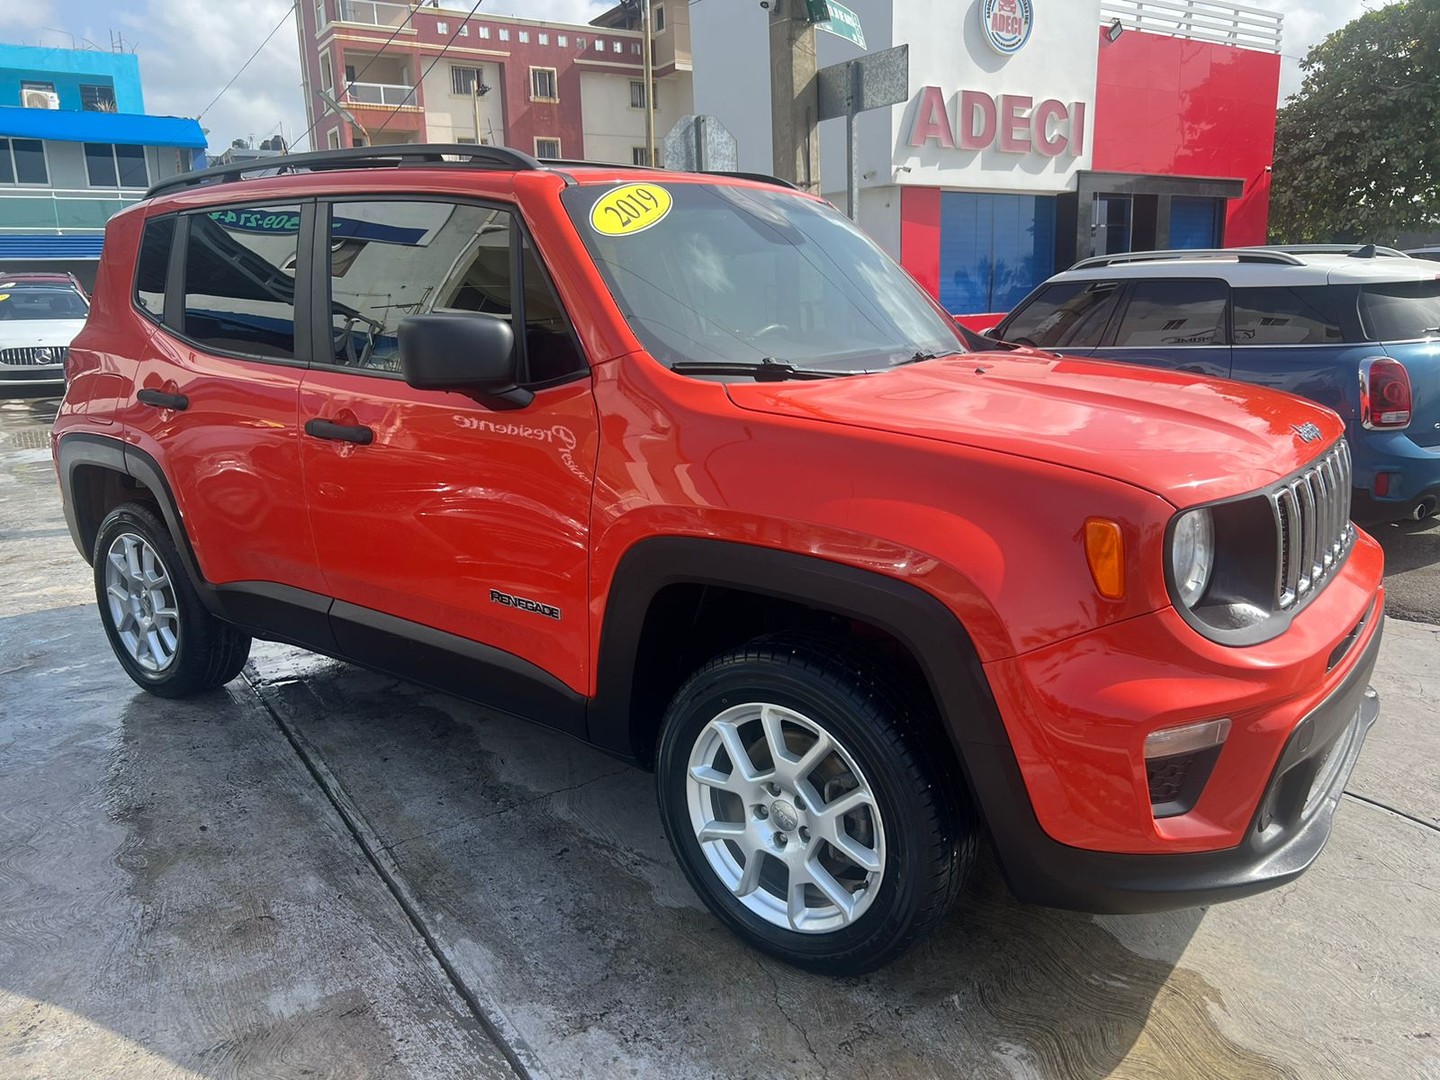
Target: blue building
x=76, y=146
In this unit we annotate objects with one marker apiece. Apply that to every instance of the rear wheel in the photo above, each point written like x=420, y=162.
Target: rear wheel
x=161, y=633
x=798, y=796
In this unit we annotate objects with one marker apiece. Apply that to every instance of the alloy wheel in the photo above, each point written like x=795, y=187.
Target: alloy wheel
x=142, y=602
x=785, y=818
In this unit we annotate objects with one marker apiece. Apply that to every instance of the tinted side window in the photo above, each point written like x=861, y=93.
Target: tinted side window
x=1067, y=314
x=392, y=259
x=240, y=280
x=1401, y=310
x=1171, y=313
x=153, y=266
x=1303, y=316
x=549, y=345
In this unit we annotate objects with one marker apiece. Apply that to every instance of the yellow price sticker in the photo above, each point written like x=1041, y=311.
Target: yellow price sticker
x=4, y=296
x=630, y=209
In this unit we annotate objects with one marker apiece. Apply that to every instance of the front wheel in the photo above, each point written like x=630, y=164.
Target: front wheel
x=798, y=795
x=161, y=633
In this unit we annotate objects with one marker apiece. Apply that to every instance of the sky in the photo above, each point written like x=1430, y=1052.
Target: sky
x=189, y=49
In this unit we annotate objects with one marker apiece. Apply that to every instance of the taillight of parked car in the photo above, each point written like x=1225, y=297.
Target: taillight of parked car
x=1385, y=397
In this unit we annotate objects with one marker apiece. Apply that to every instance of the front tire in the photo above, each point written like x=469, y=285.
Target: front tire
x=808, y=807
x=161, y=633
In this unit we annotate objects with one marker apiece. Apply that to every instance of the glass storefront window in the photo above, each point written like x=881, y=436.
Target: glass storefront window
x=994, y=249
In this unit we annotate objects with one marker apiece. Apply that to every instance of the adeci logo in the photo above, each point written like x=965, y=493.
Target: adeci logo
x=1007, y=24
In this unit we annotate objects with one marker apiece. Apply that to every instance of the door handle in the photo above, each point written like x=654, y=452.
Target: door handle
x=162, y=400
x=324, y=429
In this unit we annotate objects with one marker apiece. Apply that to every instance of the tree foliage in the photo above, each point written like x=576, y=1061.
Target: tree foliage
x=1357, y=150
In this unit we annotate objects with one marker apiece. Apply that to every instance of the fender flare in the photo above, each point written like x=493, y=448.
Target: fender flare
x=79, y=449
x=915, y=618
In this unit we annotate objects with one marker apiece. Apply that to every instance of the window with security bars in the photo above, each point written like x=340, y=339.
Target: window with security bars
x=637, y=94
x=97, y=98
x=547, y=148
x=542, y=84
x=639, y=155
x=463, y=80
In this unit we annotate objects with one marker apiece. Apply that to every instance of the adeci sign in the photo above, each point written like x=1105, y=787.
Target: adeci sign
x=1011, y=123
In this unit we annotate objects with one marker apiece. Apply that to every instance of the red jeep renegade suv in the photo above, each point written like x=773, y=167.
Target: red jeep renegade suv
x=685, y=466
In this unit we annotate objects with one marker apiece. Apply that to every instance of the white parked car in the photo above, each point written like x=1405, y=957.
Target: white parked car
x=40, y=314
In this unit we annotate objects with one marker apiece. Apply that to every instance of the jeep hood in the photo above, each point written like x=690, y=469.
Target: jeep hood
x=1186, y=438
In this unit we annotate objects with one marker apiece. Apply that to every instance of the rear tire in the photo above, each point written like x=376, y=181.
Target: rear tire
x=845, y=848
x=161, y=633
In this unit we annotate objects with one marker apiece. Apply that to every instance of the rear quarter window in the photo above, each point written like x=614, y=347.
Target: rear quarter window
x=153, y=265
x=1401, y=310
x=1286, y=316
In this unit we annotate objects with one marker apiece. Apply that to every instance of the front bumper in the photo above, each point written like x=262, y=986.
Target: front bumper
x=1286, y=834
x=23, y=376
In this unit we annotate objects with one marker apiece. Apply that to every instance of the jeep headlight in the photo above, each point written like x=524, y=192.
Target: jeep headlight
x=1192, y=555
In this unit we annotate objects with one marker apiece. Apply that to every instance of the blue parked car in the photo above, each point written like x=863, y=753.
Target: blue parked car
x=1356, y=330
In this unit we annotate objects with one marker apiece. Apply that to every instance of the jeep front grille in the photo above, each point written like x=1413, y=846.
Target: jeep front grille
x=1312, y=525
x=34, y=355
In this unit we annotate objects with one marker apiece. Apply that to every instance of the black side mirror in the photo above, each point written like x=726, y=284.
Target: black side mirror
x=991, y=332
x=461, y=351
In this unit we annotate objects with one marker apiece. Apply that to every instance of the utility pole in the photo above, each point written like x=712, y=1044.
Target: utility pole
x=645, y=25
x=475, y=101
x=794, y=105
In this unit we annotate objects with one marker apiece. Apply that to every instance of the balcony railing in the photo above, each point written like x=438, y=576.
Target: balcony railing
x=373, y=12
x=390, y=95
x=62, y=210
x=1203, y=20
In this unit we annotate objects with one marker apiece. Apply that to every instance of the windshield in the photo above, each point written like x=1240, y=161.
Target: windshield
x=1401, y=310
x=726, y=274
x=28, y=302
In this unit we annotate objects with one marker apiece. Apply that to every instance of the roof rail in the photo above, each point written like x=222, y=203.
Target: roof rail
x=1359, y=251
x=761, y=178
x=1249, y=255
x=463, y=155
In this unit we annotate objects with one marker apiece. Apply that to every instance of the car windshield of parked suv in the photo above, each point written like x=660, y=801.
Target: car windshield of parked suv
x=723, y=274
x=1401, y=310
x=30, y=303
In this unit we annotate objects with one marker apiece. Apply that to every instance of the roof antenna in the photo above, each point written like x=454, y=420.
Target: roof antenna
x=1366, y=252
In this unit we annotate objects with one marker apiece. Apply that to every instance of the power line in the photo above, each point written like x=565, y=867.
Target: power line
x=247, y=63
x=421, y=81
x=360, y=74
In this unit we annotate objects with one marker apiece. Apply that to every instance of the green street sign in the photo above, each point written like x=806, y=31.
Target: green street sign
x=842, y=22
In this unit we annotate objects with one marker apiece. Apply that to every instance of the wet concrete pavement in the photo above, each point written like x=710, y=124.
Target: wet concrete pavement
x=320, y=871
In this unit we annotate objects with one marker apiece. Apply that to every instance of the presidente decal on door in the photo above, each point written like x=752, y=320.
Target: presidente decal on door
x=557, y=435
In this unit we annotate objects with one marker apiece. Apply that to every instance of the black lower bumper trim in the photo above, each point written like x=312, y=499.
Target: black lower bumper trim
x=1290, y=827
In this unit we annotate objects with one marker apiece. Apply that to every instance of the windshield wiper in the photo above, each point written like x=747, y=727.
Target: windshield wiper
x=922, y=356
x=768, y=370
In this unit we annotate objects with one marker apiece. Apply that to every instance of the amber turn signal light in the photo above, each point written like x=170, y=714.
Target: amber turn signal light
x=1105, y=551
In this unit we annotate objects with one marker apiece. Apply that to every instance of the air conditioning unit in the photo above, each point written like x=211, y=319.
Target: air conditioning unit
x=42, y=99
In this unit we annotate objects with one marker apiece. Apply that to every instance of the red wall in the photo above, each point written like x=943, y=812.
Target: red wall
x=1168, y=106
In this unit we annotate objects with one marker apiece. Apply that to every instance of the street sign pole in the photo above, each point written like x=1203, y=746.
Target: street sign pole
x=852, y=145
x=873, y=81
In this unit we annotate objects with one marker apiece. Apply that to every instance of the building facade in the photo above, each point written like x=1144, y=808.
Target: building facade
x=378, y=72
x=1036, y=132
x=76, y=146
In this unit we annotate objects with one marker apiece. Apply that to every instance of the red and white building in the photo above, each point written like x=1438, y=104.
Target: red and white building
x=404, y=73
x=1036, y=133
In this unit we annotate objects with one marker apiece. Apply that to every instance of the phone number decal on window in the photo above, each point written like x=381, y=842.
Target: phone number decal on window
x=258, y=221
